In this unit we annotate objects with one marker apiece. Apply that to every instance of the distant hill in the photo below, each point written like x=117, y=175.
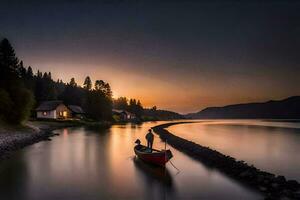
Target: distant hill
x=283, y=109
x=150, y=114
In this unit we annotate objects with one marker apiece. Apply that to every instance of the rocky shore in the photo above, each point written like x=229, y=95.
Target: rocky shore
x=12, y=139
x=272, y=186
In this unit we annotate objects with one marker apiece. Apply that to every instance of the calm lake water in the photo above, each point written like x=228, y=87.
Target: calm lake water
x=268, y=145
x=100, y=164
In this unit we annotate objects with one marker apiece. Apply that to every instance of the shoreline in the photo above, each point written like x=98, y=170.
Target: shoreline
x=34, y=132
x=272, y=186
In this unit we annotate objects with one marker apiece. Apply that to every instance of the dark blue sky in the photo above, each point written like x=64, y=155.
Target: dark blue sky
x=179, y=55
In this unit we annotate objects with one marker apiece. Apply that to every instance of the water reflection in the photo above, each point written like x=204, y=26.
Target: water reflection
x=158, y=181
x=159, y=174
x=84, y=163
x=12, y=183
x=272, y=146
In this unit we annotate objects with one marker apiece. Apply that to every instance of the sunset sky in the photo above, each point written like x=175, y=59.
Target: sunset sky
x=177, y=55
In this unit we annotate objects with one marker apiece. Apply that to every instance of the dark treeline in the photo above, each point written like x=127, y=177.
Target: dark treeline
x=144, y=114
x=15, y=99
x=130, y=105
x=21, y=90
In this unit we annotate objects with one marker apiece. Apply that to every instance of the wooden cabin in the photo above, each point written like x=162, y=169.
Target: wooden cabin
x=58, y=110
x=124, y=115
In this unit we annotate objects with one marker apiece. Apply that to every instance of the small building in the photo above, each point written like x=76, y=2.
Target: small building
x=76, y=111
x=58, y=110
x=124, y=115
x=52, y=110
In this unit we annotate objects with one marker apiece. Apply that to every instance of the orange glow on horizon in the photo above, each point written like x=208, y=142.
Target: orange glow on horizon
x=181, y=93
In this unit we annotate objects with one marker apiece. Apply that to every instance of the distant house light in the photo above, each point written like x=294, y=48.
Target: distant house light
x=44, y=113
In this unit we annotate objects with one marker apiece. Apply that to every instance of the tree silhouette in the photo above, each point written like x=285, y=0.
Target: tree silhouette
x=73, y=83
x=29, y=72
x=16, y=100
x=121, y=103
x=103, y=87
x=8, y=60
x=18, y=84
x=87, y=83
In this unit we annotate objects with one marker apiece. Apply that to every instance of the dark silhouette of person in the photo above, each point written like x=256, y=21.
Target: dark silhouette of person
x=150, y=138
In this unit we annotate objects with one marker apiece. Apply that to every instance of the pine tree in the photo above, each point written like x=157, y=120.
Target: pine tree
x=21, y=70
x=29, y=72
x=87, y=83
x=8, y=59
x=18, y=99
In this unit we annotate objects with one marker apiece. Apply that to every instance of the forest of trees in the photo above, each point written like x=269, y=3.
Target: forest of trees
x=21, y=90
x=131, y=105
x=144, y=114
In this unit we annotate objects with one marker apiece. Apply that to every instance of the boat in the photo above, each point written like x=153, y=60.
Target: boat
x=155, y=157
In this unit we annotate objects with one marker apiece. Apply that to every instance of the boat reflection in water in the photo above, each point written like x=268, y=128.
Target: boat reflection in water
x=155, y=175
x=82, y=163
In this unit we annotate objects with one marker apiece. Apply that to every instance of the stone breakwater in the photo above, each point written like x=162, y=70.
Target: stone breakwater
x=274, y=187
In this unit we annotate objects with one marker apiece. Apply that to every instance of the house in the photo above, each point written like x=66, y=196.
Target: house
x=124, y=115
x=58, y=110
x=76, y=111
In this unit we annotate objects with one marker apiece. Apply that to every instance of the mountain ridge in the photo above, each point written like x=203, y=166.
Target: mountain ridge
x=288, y=108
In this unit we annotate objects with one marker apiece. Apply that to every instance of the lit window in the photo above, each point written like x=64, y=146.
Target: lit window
x=65, y=114
x=60, y=113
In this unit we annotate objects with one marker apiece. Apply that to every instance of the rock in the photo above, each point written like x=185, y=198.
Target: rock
x=275, y=185
x=292, y=184
x=263, y=189
x=284, y=198
x=297, y=195
x=260, y=178
x=245, y=174
x=270, y=197
x=287, y=193
x=266, y=182
x=280, y=179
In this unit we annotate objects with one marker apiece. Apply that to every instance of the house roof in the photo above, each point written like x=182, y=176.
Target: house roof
x=76, y=109
x=122, y=111
x=117, y=111
x=48, y=105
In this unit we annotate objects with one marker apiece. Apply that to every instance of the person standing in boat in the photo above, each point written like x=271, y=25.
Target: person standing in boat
x=150, y=138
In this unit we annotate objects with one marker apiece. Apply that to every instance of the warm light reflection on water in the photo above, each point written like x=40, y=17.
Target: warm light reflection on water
x=271, y=146
x=99, y=164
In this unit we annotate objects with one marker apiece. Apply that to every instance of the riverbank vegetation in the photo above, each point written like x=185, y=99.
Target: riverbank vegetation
x=22, y=90
x=144, y=114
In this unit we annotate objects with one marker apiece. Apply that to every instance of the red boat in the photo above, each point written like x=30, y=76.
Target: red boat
x=155, y=157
